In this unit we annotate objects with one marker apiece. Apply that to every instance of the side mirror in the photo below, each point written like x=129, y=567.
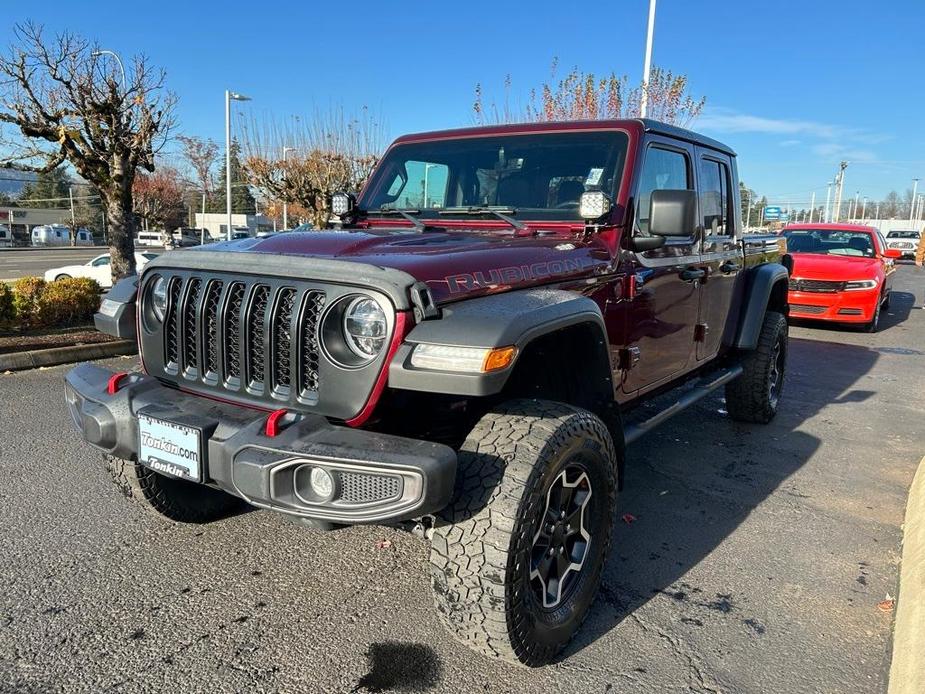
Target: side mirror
x=671, y=212
x=892, y=253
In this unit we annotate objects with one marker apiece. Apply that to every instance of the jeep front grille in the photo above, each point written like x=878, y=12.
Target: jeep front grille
x=258, y=337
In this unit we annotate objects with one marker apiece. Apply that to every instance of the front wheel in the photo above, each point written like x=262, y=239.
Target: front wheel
x=874, y=324
x=170, y=497
x=517, y=557
x=62, y=277
x=755, y=395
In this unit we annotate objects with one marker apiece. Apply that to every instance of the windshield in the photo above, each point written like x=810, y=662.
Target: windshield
x=830, y=242
x=903, y=235
x=538, y=176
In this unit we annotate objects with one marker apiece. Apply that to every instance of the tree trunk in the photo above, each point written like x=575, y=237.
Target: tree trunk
x=121, y=222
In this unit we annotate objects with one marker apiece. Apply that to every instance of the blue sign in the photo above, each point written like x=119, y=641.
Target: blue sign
x=772, y=213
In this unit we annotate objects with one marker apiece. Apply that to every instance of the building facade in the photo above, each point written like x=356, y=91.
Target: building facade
x=22, y=220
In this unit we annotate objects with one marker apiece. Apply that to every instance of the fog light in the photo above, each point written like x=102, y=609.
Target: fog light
x=322, y=483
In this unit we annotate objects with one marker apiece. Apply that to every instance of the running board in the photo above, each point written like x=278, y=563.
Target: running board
x=634, y=431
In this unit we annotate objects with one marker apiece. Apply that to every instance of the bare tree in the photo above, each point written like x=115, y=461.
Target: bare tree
x=328, y=153
x=584, y=96
x=61, y=100
x=158, y=197
x=201, y=156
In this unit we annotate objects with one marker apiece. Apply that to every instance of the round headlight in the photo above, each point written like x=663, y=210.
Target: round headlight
x=365, y=327
x=159, y=298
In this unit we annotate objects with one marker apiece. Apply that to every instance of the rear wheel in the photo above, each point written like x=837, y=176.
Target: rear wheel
x=517, y=557
x=62, y=276
x=172, y=498
x=755, y=395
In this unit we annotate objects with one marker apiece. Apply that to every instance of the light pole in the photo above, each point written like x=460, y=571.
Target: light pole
x=229, y=96
x=427, y=168
x=864, y=209
x=828, y=193
x=115, y=55
x=286, y=151
x=812, y=207
x=915, y=189
x=644, y=97
x=854, y=210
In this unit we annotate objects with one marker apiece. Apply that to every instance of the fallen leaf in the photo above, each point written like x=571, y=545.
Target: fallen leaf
x=383, y=544
x=886, y=605
x=628, y=518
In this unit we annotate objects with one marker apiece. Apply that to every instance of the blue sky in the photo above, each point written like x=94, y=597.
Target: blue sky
x=793, y=86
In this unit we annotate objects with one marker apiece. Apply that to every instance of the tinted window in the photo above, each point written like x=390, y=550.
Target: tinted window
x=663, y=170
x=714, y=196
x=540, y=176
x=102, y=260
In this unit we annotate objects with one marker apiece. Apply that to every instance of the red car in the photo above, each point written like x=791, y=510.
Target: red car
x=841, y=272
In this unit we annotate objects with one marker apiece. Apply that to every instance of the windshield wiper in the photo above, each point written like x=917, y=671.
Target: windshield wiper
x=406, y=212
x=499, y=212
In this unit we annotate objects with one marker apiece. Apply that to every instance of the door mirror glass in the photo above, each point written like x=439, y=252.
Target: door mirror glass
x=671, y=212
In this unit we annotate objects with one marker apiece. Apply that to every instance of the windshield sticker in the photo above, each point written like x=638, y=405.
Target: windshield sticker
x=594, y=177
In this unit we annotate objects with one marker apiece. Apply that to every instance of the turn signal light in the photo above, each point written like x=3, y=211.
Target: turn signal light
x=499, y=358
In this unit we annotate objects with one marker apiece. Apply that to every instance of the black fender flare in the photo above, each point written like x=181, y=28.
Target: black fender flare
x=761, y=283
x=501, y=320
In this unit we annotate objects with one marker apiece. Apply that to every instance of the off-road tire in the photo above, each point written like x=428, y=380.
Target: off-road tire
x=482, y=543
x=172, y=498
x=750, y=397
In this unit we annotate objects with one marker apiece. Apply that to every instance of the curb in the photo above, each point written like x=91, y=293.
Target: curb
x=907, y=674
x=20, y=361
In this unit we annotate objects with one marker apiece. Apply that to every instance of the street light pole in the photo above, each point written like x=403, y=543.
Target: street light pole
x=828, y=193
x=854, y=211
x=915, y=188
x=812, y=207
x=864, y=209
x=644, y=97
x=115, y=55
x=229, y=96
x=286, y=151
x=427, y=168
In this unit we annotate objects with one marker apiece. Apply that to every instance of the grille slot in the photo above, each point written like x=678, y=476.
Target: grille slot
x=210, y=314
x=308, y=375
x=257, y=335
x=232, y=339
x=282, y=339
x=189, y=339
x=361, y=488
x=171, y=327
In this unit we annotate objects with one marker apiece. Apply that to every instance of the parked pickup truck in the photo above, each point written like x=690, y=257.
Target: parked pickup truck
x=458, y=358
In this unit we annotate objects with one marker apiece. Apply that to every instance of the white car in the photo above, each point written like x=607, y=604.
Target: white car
x=903, y=241
x=97, y=269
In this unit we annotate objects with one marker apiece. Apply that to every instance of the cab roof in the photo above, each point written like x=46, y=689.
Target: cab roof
x=637, y=125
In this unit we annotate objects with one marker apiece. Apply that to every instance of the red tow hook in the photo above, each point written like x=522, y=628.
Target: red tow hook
x=275, y=423
x=112, y=386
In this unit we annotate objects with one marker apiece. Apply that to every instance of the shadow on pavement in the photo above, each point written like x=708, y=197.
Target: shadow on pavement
x=691, y=483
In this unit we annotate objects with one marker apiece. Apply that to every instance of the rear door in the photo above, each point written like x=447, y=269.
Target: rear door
x=720, y=254
x=662, y=314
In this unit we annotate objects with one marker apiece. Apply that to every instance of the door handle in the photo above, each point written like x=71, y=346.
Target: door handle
x=692, y=274
x=729, y=266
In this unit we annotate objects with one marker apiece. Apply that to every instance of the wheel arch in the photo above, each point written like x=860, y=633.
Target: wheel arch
x=766, y=289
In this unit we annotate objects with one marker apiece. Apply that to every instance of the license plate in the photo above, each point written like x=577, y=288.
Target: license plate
x=170, y=448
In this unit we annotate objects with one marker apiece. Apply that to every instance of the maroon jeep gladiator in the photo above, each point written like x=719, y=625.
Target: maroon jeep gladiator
x=457, y=357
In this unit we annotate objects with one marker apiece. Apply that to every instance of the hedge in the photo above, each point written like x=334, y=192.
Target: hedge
x=35, y=303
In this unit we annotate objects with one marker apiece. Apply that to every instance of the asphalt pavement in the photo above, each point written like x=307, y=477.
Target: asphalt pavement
x=752, y=559
x=16, y=263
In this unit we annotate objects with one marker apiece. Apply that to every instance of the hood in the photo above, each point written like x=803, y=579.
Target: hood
x=834, y=267
x=454, y=264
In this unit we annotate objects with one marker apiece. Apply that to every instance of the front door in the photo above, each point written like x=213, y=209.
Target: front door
x=721, y=255
x=663, y=312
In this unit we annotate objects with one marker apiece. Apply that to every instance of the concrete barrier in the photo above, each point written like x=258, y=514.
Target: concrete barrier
x=907, y=671
x=20, y=361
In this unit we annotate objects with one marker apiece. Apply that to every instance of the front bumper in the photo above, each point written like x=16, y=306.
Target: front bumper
x=843, y=307
x=379, y=478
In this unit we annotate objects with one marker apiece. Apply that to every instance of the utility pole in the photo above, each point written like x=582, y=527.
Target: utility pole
x=647, y=67
x=748, y=208
x=202, y=229
x=286, y=151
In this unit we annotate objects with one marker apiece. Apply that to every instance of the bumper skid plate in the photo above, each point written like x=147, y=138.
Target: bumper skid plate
x=370, y=477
